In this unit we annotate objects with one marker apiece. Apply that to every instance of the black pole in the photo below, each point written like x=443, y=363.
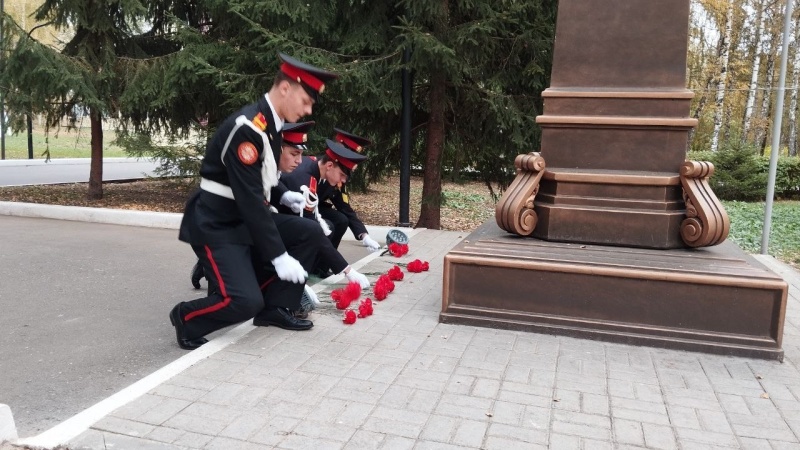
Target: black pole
x=405, y=143
x=30, y=137
x=2, y=98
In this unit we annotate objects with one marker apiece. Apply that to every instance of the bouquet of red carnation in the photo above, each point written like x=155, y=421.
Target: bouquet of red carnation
x=418, y=266
x=365, y=308
x=349, y=317
x=381, y=291
x=343, y=297
x=398, y=250
x=395, y=274
x=386, y=281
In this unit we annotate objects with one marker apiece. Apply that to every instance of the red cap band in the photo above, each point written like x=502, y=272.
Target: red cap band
x=294, y=138
x=336, y=158
x=310, y=80
x=353, y=145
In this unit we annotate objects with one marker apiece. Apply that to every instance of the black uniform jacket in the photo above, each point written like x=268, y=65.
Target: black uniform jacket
x=329, y=196
x=213, y=219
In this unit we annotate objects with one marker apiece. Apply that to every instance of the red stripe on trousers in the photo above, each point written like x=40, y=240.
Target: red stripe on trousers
x=266, y=283
x=226, y=300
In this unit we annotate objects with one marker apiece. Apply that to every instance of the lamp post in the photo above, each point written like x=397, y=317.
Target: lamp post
x=776, y=128
x=2, y=98
x=405, y=142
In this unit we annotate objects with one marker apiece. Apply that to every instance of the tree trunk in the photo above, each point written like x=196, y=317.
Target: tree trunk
x=766, y=99
x=724, y=49
x=793, y=99
x=430, y=212
x=96, y=170
x=755, y=69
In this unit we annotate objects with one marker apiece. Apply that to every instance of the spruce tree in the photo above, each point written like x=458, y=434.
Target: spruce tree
x=479, y=66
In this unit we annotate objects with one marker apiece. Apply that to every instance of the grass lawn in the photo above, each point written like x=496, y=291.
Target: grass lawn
x=62, y=144
x=747, y=222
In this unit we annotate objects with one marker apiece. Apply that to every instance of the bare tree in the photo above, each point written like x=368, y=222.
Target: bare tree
x=755, y=67
x=767, y=85
x=724, y=51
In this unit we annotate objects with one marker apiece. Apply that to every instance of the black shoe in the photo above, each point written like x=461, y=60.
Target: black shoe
x=281, y=318
x=177, y=322
x=197, y=275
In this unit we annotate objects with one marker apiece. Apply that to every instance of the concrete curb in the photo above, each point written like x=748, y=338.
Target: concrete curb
x=97, y=215
x=149, y=219
x=66, y=161
x=8, y=431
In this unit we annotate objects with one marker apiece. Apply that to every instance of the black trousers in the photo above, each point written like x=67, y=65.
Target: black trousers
x=339, y=223
x=242, y=284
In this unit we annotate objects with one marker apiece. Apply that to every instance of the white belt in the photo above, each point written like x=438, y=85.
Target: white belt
x=222, y=190
x=216, y=188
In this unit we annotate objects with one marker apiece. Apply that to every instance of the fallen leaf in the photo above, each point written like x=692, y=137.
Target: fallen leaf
x=765, y=395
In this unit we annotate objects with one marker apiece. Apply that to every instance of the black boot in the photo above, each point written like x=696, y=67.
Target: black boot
x=197, y=275
x=281, y=318
x=180, y=332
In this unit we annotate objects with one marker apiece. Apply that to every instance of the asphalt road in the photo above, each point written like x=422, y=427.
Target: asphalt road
x=84, y=312
x=20, y=172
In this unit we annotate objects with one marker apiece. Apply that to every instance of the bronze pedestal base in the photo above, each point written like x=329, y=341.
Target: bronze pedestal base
x=716, y=299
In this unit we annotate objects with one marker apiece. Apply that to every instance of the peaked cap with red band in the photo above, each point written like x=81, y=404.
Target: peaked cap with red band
x=312, y=78
x=296, y=134
x=350, y=140
x=346, y=158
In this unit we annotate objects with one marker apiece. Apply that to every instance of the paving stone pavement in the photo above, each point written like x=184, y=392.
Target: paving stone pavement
x=401, y=380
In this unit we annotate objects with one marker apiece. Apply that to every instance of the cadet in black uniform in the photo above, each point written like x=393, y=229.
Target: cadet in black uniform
x=327, y=173
x=292, y=146
x=256, y=270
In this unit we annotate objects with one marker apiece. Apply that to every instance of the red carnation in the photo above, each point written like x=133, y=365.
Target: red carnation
x=398, y=250
x=365, y=308
x=425, y=266
x=342, y=303
x=352, y=291
x=386, y=282
x=381, y=292
x=395, y=273
x=349, y=317
x=415, y=266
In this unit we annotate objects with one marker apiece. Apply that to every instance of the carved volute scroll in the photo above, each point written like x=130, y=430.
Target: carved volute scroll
x=706, y=222
x=514, y=213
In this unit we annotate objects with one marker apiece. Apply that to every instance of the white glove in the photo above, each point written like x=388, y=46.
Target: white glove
x=359, y=278
x=370, y=243
x=289, y=269
x=293, y=200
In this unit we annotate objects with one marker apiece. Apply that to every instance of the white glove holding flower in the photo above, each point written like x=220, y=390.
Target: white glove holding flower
x=370, y=243
x=289, y=269
x=361, y=279
x=293, y=200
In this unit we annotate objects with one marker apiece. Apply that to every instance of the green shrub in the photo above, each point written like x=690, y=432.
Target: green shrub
x=787, y=177
x=739, y=173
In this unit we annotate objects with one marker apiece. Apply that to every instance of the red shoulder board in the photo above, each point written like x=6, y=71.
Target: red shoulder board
x=260, y=121
x=312, y=185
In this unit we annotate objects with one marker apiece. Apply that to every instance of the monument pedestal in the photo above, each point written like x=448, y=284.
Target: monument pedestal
x=716, y=299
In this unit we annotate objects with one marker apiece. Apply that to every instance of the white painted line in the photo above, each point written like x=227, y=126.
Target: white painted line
x=148, y=219
x=77, y=424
